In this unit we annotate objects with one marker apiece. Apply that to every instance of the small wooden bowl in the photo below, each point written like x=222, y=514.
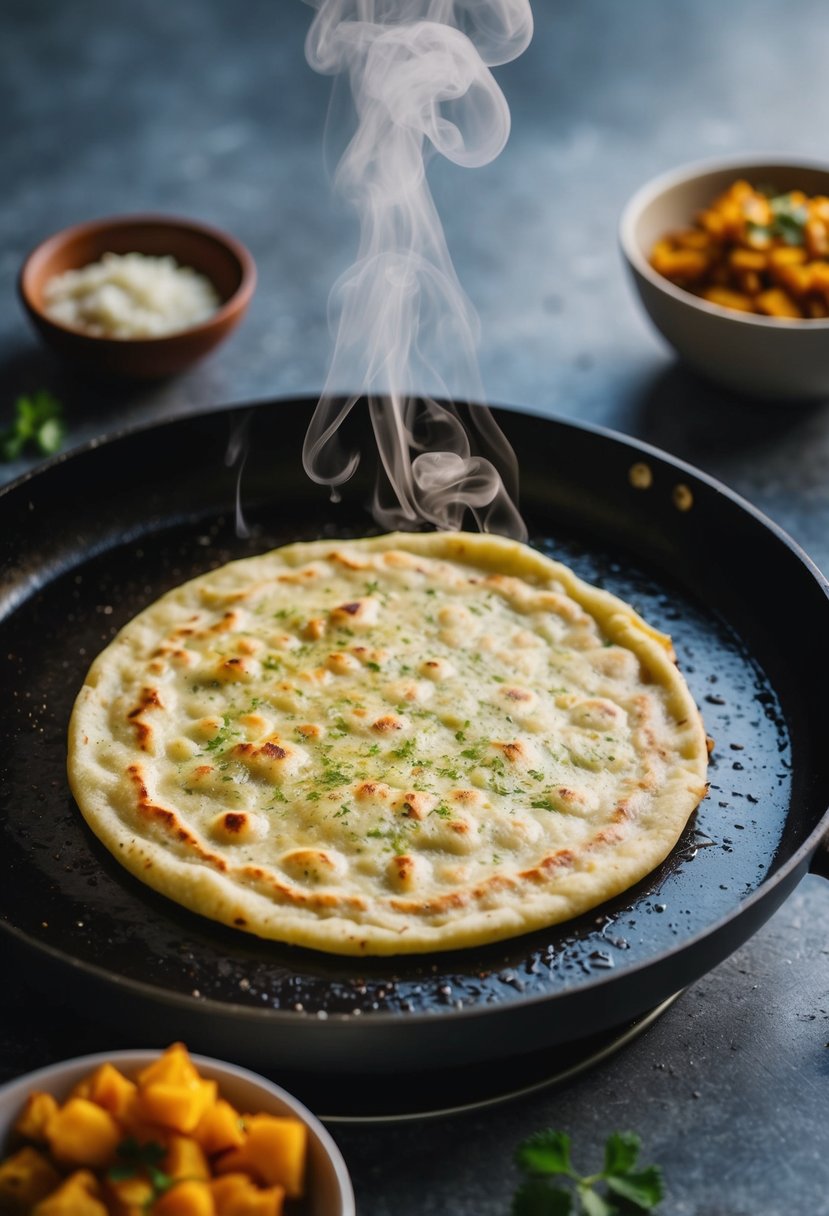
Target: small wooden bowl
x=220, y=258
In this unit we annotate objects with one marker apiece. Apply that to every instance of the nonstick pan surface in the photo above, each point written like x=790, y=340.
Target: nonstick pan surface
x=92, y=538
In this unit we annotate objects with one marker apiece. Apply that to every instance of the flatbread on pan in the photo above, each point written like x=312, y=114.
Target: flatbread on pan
x=407, y=743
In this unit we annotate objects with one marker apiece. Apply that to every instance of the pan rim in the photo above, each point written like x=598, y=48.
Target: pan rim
x=589, y=986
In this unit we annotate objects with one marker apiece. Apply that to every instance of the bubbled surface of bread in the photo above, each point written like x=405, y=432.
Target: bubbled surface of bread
x=399, y=744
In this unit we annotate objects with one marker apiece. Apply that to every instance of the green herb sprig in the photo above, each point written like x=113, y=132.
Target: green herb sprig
x=38, y=422
x=788, y=221
x=625, y=1191
x=134, y=1160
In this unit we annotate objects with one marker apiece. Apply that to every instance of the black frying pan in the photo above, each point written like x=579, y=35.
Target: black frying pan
x=91, y=538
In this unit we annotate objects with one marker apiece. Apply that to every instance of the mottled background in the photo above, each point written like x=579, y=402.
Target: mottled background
x=206, y=108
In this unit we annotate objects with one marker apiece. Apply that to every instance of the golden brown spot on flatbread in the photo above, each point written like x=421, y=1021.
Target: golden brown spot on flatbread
x=416, y=805
x=512, y=751
x=386, y=723
x=227, y=623
x=372, y=789
x=232, y=669
x=348, y=563
x=149, y=700
x=548, y=865
x=168, y=820
x=341, y=663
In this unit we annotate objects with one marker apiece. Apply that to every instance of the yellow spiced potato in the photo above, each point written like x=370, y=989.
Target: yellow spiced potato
x=754, y=250
x=129, y=1196
x=219, y=1128
x=273, y=1151
x=25, y=1177
x=189, y=1197
x=237, y=1195
x=31, y=1123
x=162, y=1143
x=78, y=1195
x=82, y=1133
x=171, y=1092
x=185, y=1159
x=110, y=1089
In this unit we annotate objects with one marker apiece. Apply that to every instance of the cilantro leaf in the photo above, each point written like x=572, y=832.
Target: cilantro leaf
x=49, y=436
x=620, y=1152
x=789, y=219
x=536, y=1197
x=617, y=1191
x=592, y=1203
x=546, y=1152
x=645, y=1189
x=135, y=1160
x=38, y=421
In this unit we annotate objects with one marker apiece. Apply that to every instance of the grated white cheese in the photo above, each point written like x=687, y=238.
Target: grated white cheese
x=130, y=295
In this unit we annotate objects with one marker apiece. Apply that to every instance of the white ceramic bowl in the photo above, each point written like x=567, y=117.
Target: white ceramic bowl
x=329, y=1186
x=762, y=357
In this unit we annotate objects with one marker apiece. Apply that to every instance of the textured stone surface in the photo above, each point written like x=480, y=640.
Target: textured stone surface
x=208, y=109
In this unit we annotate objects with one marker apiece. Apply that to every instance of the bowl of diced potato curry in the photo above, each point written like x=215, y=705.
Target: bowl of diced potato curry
x=731, y=262
x=149, y=1133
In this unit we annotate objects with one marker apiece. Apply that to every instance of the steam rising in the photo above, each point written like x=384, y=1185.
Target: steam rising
x=420, y=82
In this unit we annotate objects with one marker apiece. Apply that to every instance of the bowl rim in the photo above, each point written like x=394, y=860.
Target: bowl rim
x=238, y=300
x=679, y=176
x=136, y=1057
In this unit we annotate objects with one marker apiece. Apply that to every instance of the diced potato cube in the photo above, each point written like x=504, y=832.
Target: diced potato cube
x=238, y=1195
x=171, y=1092
x=777, y=303
x=820, y=279
x=81, y=1133
x=78, y=1195
x=110, y=1089
x=712, y=222
x=680, y=265
x=173, y=1067
x=276, y=1149
x=748, y=259
x=786, y=255
x=186, y=1198
x=816, y=234
x=185, y=1159
x=728, y=299
x=25, y=1177
x=178, y=1106
x=692, y=238
x=219, y=1128
x=129, y=1196
x=796, y=280
x=39, y=1108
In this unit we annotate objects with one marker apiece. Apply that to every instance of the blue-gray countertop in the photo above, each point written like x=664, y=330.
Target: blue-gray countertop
x=206, y=108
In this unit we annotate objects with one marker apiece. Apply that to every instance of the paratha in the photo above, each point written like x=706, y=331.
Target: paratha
x=405, y=743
